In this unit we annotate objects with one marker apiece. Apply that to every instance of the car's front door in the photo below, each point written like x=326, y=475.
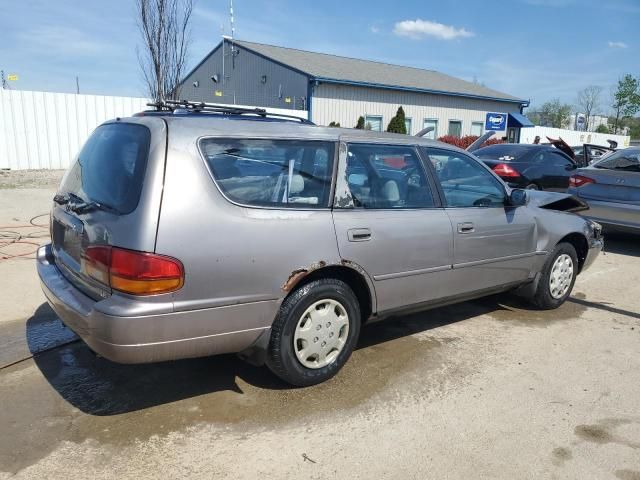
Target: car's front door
x=494, y=243
x=388, y=221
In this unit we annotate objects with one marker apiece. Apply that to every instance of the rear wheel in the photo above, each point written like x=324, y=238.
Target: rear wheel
x=557, y=277
x=314, y=333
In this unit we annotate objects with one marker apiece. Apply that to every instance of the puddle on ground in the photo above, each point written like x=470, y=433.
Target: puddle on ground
x=604, y=432
x=91, y=398
x=517, y=311
x=126, y=403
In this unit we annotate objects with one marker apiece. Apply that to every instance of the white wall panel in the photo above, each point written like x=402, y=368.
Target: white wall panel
x=572, y=137
x=46, y=130
x=345, y=103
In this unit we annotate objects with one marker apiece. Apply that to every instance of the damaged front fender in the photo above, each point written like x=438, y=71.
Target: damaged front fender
x=563, y=202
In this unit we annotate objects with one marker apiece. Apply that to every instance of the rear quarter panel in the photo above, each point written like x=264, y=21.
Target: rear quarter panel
x=232, y=254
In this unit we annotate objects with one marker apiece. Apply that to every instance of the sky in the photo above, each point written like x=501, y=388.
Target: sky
x=534, y=49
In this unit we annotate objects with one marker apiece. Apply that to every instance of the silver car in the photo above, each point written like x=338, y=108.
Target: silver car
x=196, y=231
x=611, y=188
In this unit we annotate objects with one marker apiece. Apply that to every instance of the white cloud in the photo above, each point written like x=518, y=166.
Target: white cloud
x=374, y=29
x=417, y=29
x=617, y=44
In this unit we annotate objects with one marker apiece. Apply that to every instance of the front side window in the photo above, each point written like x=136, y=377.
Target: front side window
x=373, y=122
x=271, y=173
x=464, y=181
x=455, y=128
x=384, y=176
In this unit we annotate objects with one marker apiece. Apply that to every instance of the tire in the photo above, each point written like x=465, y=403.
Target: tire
x=292, y=337
x=557, y=277
x=532, y=186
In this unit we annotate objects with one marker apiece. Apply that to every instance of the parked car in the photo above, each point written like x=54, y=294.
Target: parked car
x=587, y=154
x=611, y=187
x=189, y=233
x=529, y=166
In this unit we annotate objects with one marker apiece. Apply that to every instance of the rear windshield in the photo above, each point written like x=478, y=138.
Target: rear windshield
x=502, y=152
x=272, y=173
x=110, y=167
x=627, y=159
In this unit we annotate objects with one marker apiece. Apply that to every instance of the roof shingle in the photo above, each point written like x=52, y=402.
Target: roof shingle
x=326, y=66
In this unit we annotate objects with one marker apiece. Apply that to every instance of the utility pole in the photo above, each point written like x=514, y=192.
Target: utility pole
x=4, y=80
x=77, y=85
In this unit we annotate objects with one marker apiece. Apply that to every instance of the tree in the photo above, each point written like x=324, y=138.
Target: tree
x=625, y=100
x=588, y=101
x=360, y=124
x=602, y=128
x=164, y=27
x=551, y=114
x=397, y=124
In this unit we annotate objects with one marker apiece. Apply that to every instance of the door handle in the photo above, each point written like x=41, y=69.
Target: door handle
x=466, y=227
x=359, y=234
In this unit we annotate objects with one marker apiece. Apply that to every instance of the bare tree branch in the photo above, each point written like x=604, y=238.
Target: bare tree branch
x=166, y=36
x=589, y=102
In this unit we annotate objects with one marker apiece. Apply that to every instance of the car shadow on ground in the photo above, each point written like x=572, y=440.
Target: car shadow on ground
x=98, y=386
x=623, y=243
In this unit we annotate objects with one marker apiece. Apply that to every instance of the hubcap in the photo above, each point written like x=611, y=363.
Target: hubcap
x=561, y=276
x=321, y=333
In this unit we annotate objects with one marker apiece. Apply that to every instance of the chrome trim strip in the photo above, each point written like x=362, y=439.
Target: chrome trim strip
x=389, y=276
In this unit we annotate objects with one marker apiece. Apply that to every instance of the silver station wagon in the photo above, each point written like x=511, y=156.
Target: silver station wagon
x=196, y=230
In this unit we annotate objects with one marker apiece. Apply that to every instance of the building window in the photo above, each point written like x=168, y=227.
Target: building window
x=455, y=128
x=407, y=125
x=373, y=122
x=431, y=122
x=476, y=128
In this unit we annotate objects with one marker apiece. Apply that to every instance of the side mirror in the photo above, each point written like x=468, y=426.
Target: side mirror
x=518, y=197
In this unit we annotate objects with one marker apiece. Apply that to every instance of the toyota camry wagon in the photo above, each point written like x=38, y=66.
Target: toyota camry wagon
x=195, y=230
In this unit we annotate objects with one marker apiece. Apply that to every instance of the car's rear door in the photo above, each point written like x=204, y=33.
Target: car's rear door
x=556, y=168
x=388, y=220
x=494, y=243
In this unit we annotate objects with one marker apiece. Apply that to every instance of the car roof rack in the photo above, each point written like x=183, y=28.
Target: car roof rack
x=185, y=106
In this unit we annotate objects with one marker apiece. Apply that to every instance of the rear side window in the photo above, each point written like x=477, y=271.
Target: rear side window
x=271, y=173
x=386, y=177
x=111, y=166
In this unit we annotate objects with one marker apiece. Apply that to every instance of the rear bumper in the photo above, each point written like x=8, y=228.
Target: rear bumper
x=151, y=337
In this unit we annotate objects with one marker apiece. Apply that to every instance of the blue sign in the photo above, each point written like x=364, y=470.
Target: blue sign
x=496, y=121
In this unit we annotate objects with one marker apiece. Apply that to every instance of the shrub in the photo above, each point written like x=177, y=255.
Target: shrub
x=602, y=129
x=464, y=142
x=360, y=124
x=334, y=124
x=397, y=125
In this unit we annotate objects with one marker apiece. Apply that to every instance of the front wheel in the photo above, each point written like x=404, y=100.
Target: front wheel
x=557, y=277
x=314, y=333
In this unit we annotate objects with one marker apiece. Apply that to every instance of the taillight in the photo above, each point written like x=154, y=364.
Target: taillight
x=129, y=271
x=579, y=180
x=504, y=170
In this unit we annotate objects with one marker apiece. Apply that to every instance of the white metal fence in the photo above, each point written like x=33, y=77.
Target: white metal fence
x=46, y=130
x=572, y=137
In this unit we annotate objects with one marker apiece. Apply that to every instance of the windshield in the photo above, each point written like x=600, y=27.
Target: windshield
x=503, y=152
x=627, y=159
x=110, y=167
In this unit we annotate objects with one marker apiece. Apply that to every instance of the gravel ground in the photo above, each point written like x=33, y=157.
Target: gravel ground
x=485, y=389
x=30, y=178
